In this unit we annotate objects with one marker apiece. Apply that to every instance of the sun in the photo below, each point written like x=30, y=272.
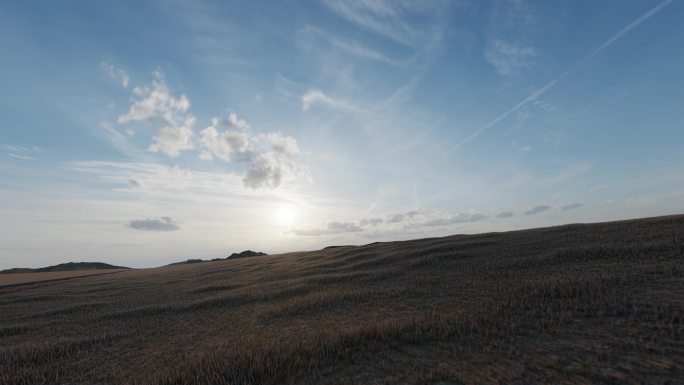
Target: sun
x=286, y=215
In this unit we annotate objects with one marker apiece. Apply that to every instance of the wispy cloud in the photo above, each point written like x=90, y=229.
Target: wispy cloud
x=537, y=209
x=316, y=97
x=505, y=214
x=154, y=224
x=509, y=58
x=116, y=73
x=387, y=18
x=454, y=219
x=21, y=152
x=570, y=206
x=332, y=228
x=348, y=46
x=536, y=94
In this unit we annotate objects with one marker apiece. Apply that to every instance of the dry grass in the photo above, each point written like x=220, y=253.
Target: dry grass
x=586, y=304
x=26, y=278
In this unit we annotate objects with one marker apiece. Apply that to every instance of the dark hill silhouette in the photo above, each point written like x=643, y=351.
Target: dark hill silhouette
x=244, y=254
x=70, y=266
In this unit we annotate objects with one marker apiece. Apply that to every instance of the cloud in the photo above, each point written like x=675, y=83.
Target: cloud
x=234, y=121
x=509, y=58
x=539, y=92
x=154, y=224
x=317, y=97
x=268, y=154
x=454, y=219
x=343, y=227
x=172, y=140
x=268, y=170
x=390, y=19
x=280, y=143
x=156, y=104
x=505, y=214
x=570, y=206
x=226, y=145
x=390, y=219
x=350, y=47
x=332, y=228
x=396, y=218
x=371, y=221
x=21, y=152
x=537, y=209
x=116, y=73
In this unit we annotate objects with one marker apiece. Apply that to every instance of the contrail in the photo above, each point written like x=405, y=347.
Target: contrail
x=536, y=94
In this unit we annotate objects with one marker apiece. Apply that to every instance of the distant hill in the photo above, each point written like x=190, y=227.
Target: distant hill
x=188, y=262
x=244, y=254
x=70, y=266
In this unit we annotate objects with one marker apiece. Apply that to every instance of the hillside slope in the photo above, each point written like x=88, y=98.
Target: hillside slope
x=581, y=304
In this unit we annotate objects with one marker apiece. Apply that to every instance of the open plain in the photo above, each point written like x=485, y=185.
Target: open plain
x=581, y=304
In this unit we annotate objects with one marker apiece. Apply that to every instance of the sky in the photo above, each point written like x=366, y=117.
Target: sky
x=144, y=133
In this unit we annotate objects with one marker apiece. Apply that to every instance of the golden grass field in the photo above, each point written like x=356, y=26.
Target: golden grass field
x=26, y=278
x=576, y=304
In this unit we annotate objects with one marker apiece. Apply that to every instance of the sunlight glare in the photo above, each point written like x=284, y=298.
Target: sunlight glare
x=286, y=215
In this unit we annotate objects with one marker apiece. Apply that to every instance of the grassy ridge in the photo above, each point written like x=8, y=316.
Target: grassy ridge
x=598, y=303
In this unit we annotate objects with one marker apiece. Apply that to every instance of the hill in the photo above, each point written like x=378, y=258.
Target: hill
x=69, y=266
x=580, y=304
x=244, y=254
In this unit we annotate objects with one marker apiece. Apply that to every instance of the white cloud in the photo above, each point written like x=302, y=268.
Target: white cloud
x=226, y=139
x=172, y=140
x=156, y=104
x=116, y=73
x=267, y=154
x=237, y=122
x=317, y=97
x=227, y=145
x=268, y=171
x=281, y=144
x=509, y=58
x=154, y=224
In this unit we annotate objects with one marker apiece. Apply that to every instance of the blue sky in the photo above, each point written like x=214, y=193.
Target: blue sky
x=142, y=133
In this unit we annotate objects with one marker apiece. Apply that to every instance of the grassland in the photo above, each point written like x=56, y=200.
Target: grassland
x=580, y=304
x=35, y=278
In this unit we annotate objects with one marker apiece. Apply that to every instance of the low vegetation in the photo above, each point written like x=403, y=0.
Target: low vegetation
x=580, y=304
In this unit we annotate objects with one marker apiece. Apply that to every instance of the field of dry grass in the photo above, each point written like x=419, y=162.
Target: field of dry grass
x=581, y=304
x=26, y=278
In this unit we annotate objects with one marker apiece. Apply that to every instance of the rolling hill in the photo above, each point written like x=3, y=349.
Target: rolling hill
x=580, y=304
x=70, y=266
